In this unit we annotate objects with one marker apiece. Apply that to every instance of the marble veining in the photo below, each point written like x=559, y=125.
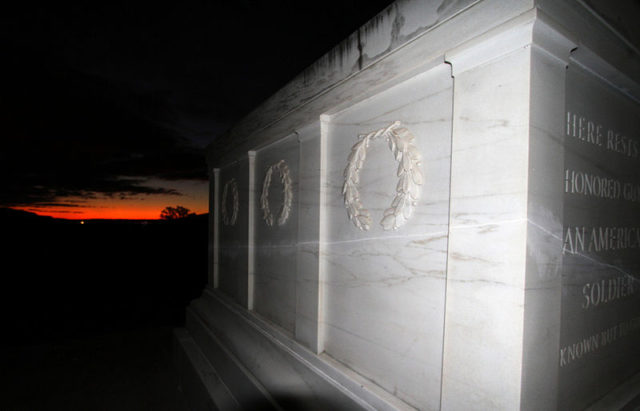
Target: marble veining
x=275, y=230
x=383, y=289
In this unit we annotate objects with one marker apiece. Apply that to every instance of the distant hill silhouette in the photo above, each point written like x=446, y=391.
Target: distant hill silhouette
x=8, y=215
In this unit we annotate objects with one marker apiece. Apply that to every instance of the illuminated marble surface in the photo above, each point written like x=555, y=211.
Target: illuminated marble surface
x=384, y=289
x=479, y=291
x=275, y=245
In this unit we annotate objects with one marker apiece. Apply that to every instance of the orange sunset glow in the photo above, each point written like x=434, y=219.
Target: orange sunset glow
x=137, y=207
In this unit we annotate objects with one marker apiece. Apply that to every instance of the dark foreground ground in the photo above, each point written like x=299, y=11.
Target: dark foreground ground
x=124, y=370
x=86, y=311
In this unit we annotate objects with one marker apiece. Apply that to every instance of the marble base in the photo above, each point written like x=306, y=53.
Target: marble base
x=199, y=380
x=241, y=360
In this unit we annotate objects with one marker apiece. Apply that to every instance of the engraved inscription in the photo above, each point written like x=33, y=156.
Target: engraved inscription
x=606, y=291
x=599, y=316
x=580, y=349
x=590, y=132
x=577, y=240
x=587, y=345
x=576, y=182
x=593, y=185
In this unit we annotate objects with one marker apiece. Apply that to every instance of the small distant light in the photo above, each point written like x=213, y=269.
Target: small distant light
x=81, y=222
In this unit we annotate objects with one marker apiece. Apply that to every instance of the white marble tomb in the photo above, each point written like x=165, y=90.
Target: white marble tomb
x=445, y=217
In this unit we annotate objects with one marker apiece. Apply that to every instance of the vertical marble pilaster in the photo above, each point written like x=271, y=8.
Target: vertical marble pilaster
x=251, y=242
x=550, y=51
x=487, y=235
x=214, y=227
x=503, y=290
x=308, y=282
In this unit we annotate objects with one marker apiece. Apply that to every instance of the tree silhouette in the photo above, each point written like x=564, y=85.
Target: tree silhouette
x=174, y=213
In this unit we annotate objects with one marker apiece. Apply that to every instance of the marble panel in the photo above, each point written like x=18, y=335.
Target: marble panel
x=233, y=231
x=600, y=321
x=242, y=346
x=383, y=294
x=276, y=231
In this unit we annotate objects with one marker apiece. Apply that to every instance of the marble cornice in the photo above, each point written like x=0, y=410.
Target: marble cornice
x=343, y=77
x=330, y=82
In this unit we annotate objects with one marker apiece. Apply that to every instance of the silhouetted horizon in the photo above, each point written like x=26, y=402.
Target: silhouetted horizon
x=8, y=212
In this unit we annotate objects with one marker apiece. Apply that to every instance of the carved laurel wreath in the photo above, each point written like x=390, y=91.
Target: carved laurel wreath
x=409, y=178
x=226, y=219
x=287, y=190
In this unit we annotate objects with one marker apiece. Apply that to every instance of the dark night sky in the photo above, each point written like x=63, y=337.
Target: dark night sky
x=108, y=105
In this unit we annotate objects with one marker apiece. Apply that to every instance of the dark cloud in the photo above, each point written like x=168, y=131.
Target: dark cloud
x=70, y=134
x=105, y=90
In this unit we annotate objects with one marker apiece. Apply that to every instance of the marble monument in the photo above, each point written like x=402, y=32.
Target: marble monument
x=441, y=213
